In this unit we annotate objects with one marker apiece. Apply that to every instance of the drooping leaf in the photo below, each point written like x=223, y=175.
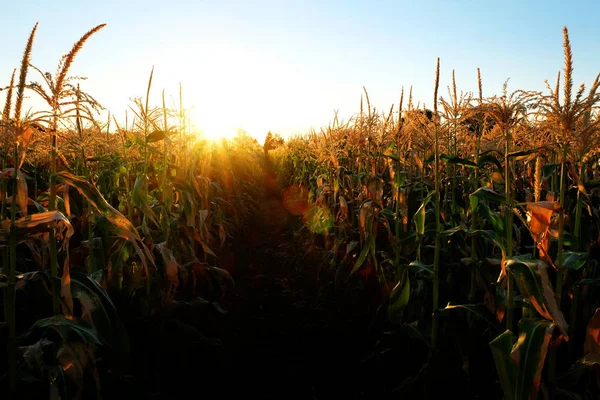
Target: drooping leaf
x=488, y=158
x=574, y=260
x=479, y=310
x=68, y=329
x=484, y=193
x=36, y=223
x=448, y=159
x=521, y=155
x=155, y=136
x=533, y=282
x=421, y=269
x=123, y=227
x=540, y=215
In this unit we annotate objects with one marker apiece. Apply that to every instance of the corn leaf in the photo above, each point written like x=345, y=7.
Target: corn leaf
x=574, y=260
x=139, y=197
x=399, y=298
x=419, y=217
x=533, y=282
x=69, y=329
x=592, y=335
x=122, y=226
x=37, y=223
x=448, y=159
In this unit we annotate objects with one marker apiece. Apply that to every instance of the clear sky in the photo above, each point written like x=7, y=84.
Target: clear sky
x=286, y=66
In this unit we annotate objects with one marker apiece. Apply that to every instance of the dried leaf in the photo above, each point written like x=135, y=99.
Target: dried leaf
x=592, y=335
x=65, y=289
x=171, y=264
x=66, y=200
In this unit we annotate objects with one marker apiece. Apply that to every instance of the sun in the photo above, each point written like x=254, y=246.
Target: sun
x=210, y=124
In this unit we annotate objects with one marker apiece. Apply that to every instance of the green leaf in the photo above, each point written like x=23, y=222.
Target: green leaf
x=533, y=282
x=451, y=231
x=393, y=157
x=507, y=369
x=399, y=298
x=520, y=366
x=68, y=329
x=410, y=236
x=492, y=236
x=419, y=217
x=593, y=184
x=421, y=269
x=480, y=310
x=488, y=194
x=573, y=260
x=493, y=218
x=458, y=161
x=363, y=256
x=139, y=197
x=531, y=348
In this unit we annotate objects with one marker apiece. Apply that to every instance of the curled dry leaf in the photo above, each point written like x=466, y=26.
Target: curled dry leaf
x=592, y=335
x=22, y=197
x=366, y=212
x=343, y=211
x=171, y=264
x=540, y=217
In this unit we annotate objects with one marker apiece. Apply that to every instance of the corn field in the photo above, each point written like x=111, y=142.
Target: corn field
x=408, y=252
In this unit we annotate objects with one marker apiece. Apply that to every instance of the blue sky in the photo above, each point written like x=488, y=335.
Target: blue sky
x=286, y=66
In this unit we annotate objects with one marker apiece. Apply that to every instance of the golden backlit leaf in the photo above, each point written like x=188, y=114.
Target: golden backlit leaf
x=22, y=197
x=417, y=160
x=34, y=220
x=497, y=177
x=531, y=347
x=592, y=335
x=540, y=217
x=123, y=227
x=575, y=176
x=343, y=209
x=25, y=139
x=66, y=200
x=366, y=211
x=74, y=358
x=65, y=289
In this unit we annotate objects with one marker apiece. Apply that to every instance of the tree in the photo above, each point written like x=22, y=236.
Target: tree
x=272, y=141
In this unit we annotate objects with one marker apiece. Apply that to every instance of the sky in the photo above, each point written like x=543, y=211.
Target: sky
x=287, y=66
